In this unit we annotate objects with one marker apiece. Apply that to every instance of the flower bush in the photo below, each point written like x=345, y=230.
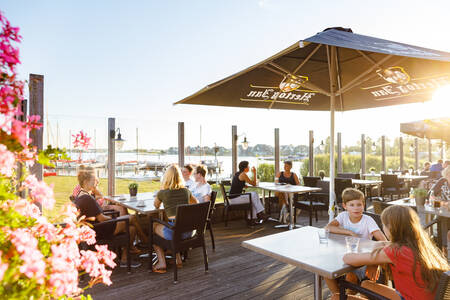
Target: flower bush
x=38, y=259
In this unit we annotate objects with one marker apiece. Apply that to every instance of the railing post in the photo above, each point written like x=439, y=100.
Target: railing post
x=277, y=150
x=180, y=144
x=37, y=108
x=339, y=153
x=233, y=149
x=311, y=153
x=401, y=153
x=111, y=157
x=430, y=151
x=383, y=153
x=443, y=150
x=416, y=154
x=363, y=154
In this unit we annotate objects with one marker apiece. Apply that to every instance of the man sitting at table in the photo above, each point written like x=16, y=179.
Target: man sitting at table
x=353, y=222
x=202, y=190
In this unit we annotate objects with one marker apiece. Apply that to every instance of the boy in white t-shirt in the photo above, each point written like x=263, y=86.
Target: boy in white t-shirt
x=202, y=190
x=353, y=222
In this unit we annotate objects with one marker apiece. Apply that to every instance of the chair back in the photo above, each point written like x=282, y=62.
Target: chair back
x=340, y=184
x=389, y=181
x=191, y=217
x=212, y=204
x=226, y=201
x=349, y=175
x=324, y=185
x=379, y=206
x=443, y=289
x=310, y=181
x=376, y=218
x=435, y=174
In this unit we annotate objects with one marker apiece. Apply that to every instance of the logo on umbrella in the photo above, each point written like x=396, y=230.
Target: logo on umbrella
x=292, y=82
x=396, y=75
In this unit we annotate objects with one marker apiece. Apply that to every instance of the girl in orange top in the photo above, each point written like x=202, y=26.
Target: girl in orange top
x=413, y=261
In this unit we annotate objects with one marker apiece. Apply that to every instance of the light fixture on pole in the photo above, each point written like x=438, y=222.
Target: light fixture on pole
x=244, y=142
x=411, y=148
x=118, y=141
x=374, y=147
x=322, y=146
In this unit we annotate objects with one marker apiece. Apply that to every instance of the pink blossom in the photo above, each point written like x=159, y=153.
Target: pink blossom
x=90, y=262
x=25, y=207
x=20, y=131
x=39, y=191
x=64, y=276
x=105, y=255
x=81, y=140
x=45, y=229
x=87, y=235
x=7, y=161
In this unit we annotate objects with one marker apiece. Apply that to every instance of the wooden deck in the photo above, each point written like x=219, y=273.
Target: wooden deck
x=234, y=272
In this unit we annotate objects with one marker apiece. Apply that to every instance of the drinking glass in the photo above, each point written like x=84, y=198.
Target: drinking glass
x=323, y=235
x=352, y=244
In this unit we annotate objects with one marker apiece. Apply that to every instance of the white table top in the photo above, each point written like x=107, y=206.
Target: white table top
x=286, y=188
x=301, y=248
x=360, y=181
x=405, y=176
x=441, y=211
x=132, y=202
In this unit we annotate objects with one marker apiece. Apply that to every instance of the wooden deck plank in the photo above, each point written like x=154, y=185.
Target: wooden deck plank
x=234, y=272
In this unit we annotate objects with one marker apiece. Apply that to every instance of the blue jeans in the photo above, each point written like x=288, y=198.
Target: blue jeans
x=168, y=233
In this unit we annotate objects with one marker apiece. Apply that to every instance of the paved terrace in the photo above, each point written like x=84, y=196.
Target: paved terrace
x=234, y=272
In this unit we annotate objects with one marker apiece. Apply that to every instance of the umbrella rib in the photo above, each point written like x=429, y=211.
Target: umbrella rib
x=351, y=83
x=306, y=59
x=369, y=58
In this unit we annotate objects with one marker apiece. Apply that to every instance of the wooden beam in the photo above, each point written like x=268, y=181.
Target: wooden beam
x=181, y=144
x=383, y=153
x=277, y=150
x=234, y=138
x=311, y=153
x=36, y=86
x=111, y=157
x=416, y=154
x=339, y=152
x=363, y=154
x=401, y=153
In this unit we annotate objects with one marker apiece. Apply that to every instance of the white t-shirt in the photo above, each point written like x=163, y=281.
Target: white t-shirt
x=189, y=184
x=364, y=228
x=200, y=191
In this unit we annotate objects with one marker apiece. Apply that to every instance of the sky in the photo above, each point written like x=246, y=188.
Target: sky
x=133, y=59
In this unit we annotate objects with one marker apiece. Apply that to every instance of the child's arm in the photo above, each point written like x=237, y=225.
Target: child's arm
x=333, y=226
x=361, y=259
x=379, y=235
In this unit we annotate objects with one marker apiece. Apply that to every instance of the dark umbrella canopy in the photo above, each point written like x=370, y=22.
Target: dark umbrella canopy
x=371, y=72
x=334, y=70
x=430, y=129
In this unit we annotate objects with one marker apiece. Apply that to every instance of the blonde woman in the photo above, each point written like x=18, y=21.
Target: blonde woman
x=172, y=193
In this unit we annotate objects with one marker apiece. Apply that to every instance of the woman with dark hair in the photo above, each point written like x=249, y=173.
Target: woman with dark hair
x=237, y=185
x=286, y=177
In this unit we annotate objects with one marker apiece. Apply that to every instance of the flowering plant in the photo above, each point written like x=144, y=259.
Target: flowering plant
x=38, y=259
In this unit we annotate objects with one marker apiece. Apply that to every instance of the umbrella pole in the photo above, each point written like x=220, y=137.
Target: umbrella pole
x=331, y=53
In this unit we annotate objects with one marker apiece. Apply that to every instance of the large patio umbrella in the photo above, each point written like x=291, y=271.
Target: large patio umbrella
x=433, y=129
x=333, y=70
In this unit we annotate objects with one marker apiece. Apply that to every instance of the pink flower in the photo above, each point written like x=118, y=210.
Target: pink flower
x=87, y=235
x=105, y=255
x=7, y=161
x=25, y=207
x=64, y=274
x=45, y=229
x=81, y=140
x=39, y=191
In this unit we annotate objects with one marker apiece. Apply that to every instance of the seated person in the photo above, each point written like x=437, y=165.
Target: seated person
x=287, y=177
x=89, y=208
x=442, y=187
x=96, y=193
x=437, y=167
x=353, y=222
x=202, y=190
x=237, y=186
x=172, y=194
x=187, y=173
x=426, y=169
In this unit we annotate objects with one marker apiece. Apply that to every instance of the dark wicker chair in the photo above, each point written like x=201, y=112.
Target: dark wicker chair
x=392, y=186
x=229, y=206
x=349, y=175
x=189, y=217
x=310, y=181
x=314, y=202
x=340, y=184
x=212, y=208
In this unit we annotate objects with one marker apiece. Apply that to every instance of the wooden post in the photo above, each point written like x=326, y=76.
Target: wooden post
x=416, y=154
x=20, y=166
x=339, y=153
x=111, y=157
x=233, y=149
x=442, y=150
x=401, y=153
x=363, y=154
x=383, y=153
x=430, y=151
x=311, y=153
x=181, y=144
x=37, y=108
x=277, y=150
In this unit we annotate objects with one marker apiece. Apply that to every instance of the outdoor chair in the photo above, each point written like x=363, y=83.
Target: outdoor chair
x=376, y=218
x=442, y=292
x=189, y=217
x=340, y=184
x=315, y=201
x=379, y=206
x=349, y=175
x=212, y=208
x=310, y=181
x=392, y=186
x=230, y=206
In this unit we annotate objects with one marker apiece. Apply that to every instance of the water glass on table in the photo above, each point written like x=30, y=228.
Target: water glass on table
x=323, y=234
x=352, y=244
